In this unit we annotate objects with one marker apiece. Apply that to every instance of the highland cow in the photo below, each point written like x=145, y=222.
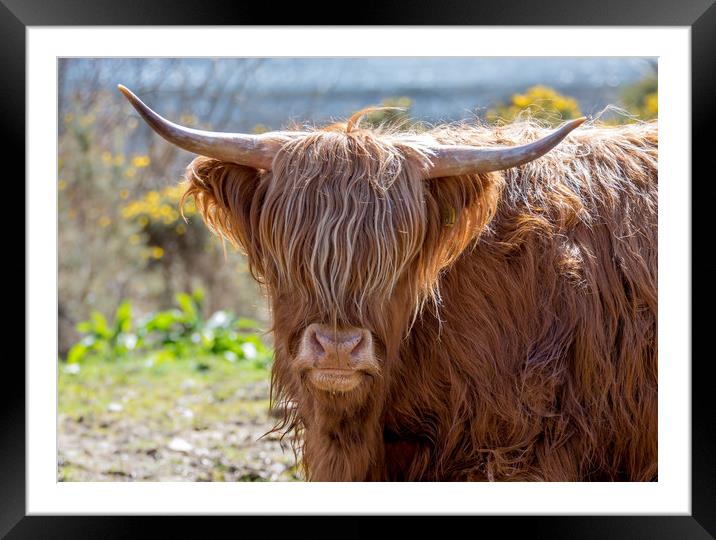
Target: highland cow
x=457, y=303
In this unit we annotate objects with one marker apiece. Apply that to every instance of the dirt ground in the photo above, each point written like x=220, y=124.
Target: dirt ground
x=131, y=422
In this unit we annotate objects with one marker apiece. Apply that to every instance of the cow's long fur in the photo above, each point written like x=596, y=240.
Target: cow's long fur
x=514, y=312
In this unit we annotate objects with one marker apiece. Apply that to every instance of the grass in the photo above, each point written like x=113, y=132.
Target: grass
x=141, y=386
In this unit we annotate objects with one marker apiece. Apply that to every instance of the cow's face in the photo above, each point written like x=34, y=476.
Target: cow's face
x=349, y=241
x=342, y=226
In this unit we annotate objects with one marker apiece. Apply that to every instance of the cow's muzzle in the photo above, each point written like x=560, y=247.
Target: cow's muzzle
x=336, y=360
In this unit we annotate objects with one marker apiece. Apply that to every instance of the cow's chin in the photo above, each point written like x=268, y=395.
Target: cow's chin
x=335, y=381
x=337, y=389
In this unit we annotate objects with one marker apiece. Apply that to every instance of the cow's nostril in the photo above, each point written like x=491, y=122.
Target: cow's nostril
x=355, y=344
x=325, y=344
x=316, y=343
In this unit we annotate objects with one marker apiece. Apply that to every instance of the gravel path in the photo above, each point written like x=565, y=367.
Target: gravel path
x=113, y=446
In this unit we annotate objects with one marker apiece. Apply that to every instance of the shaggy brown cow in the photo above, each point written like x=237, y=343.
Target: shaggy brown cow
x=450, y=305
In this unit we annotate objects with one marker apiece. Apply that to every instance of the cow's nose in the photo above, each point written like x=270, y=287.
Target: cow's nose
x=337, y=349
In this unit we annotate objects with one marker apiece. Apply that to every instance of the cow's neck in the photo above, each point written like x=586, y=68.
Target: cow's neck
x=345, y=445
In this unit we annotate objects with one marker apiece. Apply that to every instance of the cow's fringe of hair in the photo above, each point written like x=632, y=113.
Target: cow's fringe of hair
x=544, y=278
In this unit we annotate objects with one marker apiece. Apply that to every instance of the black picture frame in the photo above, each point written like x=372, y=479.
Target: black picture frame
x=699, y=15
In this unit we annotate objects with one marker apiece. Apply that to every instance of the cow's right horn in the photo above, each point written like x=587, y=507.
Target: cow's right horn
x=454, y=160
x=255, y=151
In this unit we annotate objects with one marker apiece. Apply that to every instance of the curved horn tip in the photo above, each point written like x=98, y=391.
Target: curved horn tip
x=569, y=126
x=126, y=91
x=131, y=96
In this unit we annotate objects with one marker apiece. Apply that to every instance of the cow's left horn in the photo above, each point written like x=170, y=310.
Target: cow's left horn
x=255, y=151
x=453, y=160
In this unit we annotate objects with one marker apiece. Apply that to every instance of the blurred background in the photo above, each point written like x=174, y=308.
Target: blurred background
x=163, y=356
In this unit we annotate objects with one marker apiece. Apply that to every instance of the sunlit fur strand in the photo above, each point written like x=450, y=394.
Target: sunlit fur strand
x=536, y=361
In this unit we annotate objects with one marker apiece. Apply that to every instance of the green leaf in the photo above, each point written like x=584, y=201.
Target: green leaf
x=84, y=327
x=186, y=303
x=246, y=324
x=163, y=321
x=164, y=355
x=76, y=353
x=123, y=317
x=198, y=295
x=99, y=325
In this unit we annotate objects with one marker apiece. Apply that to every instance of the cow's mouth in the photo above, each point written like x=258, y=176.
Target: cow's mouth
x=335, y=380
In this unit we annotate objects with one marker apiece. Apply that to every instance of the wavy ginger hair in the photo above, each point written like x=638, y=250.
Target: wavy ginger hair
x=514, y=312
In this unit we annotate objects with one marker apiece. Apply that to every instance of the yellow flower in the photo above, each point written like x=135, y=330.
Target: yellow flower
x=107, y=157
x=180, y=229
x=124, y=193
x=190, y=208
x=135, y=239
x=651, y=104
x=520, y=100
x=61, y=185
x=140, y=161
x=173, y=192
x=131, y=172
x=541, y=101
x=157, y=252
x=104, y=222
x=157, y=206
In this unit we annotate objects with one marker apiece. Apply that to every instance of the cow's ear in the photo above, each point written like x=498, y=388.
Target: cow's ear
x=224, y=194
x=459, y=208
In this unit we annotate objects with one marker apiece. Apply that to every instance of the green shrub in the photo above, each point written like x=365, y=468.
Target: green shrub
x=642, y=98
x=175, y=334
x=100, y=338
